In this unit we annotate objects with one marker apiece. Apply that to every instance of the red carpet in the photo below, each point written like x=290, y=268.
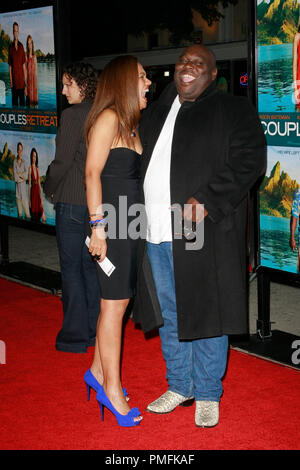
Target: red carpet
x=43, y=398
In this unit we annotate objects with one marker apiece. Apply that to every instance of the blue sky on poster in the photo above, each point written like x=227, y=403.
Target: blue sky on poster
x=38, y=22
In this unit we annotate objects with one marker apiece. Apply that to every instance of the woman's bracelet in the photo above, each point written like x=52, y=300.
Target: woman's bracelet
x=97, y=223
x=96, y=215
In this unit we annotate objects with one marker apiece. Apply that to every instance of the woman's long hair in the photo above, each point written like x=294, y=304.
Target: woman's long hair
x=33, y=150
x=118, y=89
x=27, y=46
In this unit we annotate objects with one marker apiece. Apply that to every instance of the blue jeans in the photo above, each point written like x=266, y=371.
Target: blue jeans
x=194, y=368
x=80, y=285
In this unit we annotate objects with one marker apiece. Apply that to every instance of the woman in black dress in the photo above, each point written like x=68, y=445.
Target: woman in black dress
x=112, y=171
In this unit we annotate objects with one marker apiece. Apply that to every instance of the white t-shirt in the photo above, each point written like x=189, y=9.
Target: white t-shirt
x=157, y=183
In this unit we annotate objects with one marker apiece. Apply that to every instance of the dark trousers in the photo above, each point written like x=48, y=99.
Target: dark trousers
x=80, y=285
x=18, y=95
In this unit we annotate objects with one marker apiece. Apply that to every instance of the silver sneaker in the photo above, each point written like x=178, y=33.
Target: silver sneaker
x=207, y=414
x=168, y=402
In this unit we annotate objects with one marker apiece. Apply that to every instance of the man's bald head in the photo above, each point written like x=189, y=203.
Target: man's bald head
x=194, y=72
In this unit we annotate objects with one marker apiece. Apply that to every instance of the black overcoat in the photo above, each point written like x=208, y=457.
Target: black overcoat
x=218, y=153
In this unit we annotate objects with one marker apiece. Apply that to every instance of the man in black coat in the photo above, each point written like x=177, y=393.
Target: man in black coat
x=203, y=152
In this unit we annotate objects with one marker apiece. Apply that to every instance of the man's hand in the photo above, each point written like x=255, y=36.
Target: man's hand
x=293, y=244
x=293, y=226
x=194, y=211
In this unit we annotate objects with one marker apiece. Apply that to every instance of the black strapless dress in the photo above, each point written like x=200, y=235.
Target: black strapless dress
x=120, y=178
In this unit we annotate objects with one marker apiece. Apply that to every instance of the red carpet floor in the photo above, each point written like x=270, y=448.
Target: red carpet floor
x=43, y=398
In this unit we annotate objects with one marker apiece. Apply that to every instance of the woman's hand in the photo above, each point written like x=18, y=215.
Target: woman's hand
x=98, y=246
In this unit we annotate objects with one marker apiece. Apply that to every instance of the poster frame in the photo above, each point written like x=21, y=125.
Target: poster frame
x=276, y=275
x=62, y=44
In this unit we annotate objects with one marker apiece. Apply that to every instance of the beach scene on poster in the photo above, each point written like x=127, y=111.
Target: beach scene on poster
x=27, y=60
x=278, y=91
x=278, y=70
x=277, y=41
x=277, y=194
x=22, y=174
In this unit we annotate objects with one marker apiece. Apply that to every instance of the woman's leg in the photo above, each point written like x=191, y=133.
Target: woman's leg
x=108, y=343
x=96, y=367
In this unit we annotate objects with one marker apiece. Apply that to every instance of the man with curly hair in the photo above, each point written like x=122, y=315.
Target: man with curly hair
x=65, y=187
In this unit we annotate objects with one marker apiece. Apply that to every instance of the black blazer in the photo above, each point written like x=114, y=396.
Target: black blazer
x=65, y=179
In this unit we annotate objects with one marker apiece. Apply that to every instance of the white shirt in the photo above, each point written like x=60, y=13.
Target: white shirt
x=157, y=183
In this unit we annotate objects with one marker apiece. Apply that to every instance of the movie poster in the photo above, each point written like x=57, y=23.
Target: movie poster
x=278, y=81
x=28, y=112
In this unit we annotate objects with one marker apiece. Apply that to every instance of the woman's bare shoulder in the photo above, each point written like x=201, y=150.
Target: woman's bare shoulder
x=108, y=116
x=106, y=124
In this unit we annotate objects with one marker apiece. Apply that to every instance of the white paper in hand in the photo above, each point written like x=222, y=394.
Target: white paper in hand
x=105, y=265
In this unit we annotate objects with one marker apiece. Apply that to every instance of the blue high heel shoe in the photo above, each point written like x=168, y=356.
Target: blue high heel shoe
x=91, y=381
x=122, y=420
